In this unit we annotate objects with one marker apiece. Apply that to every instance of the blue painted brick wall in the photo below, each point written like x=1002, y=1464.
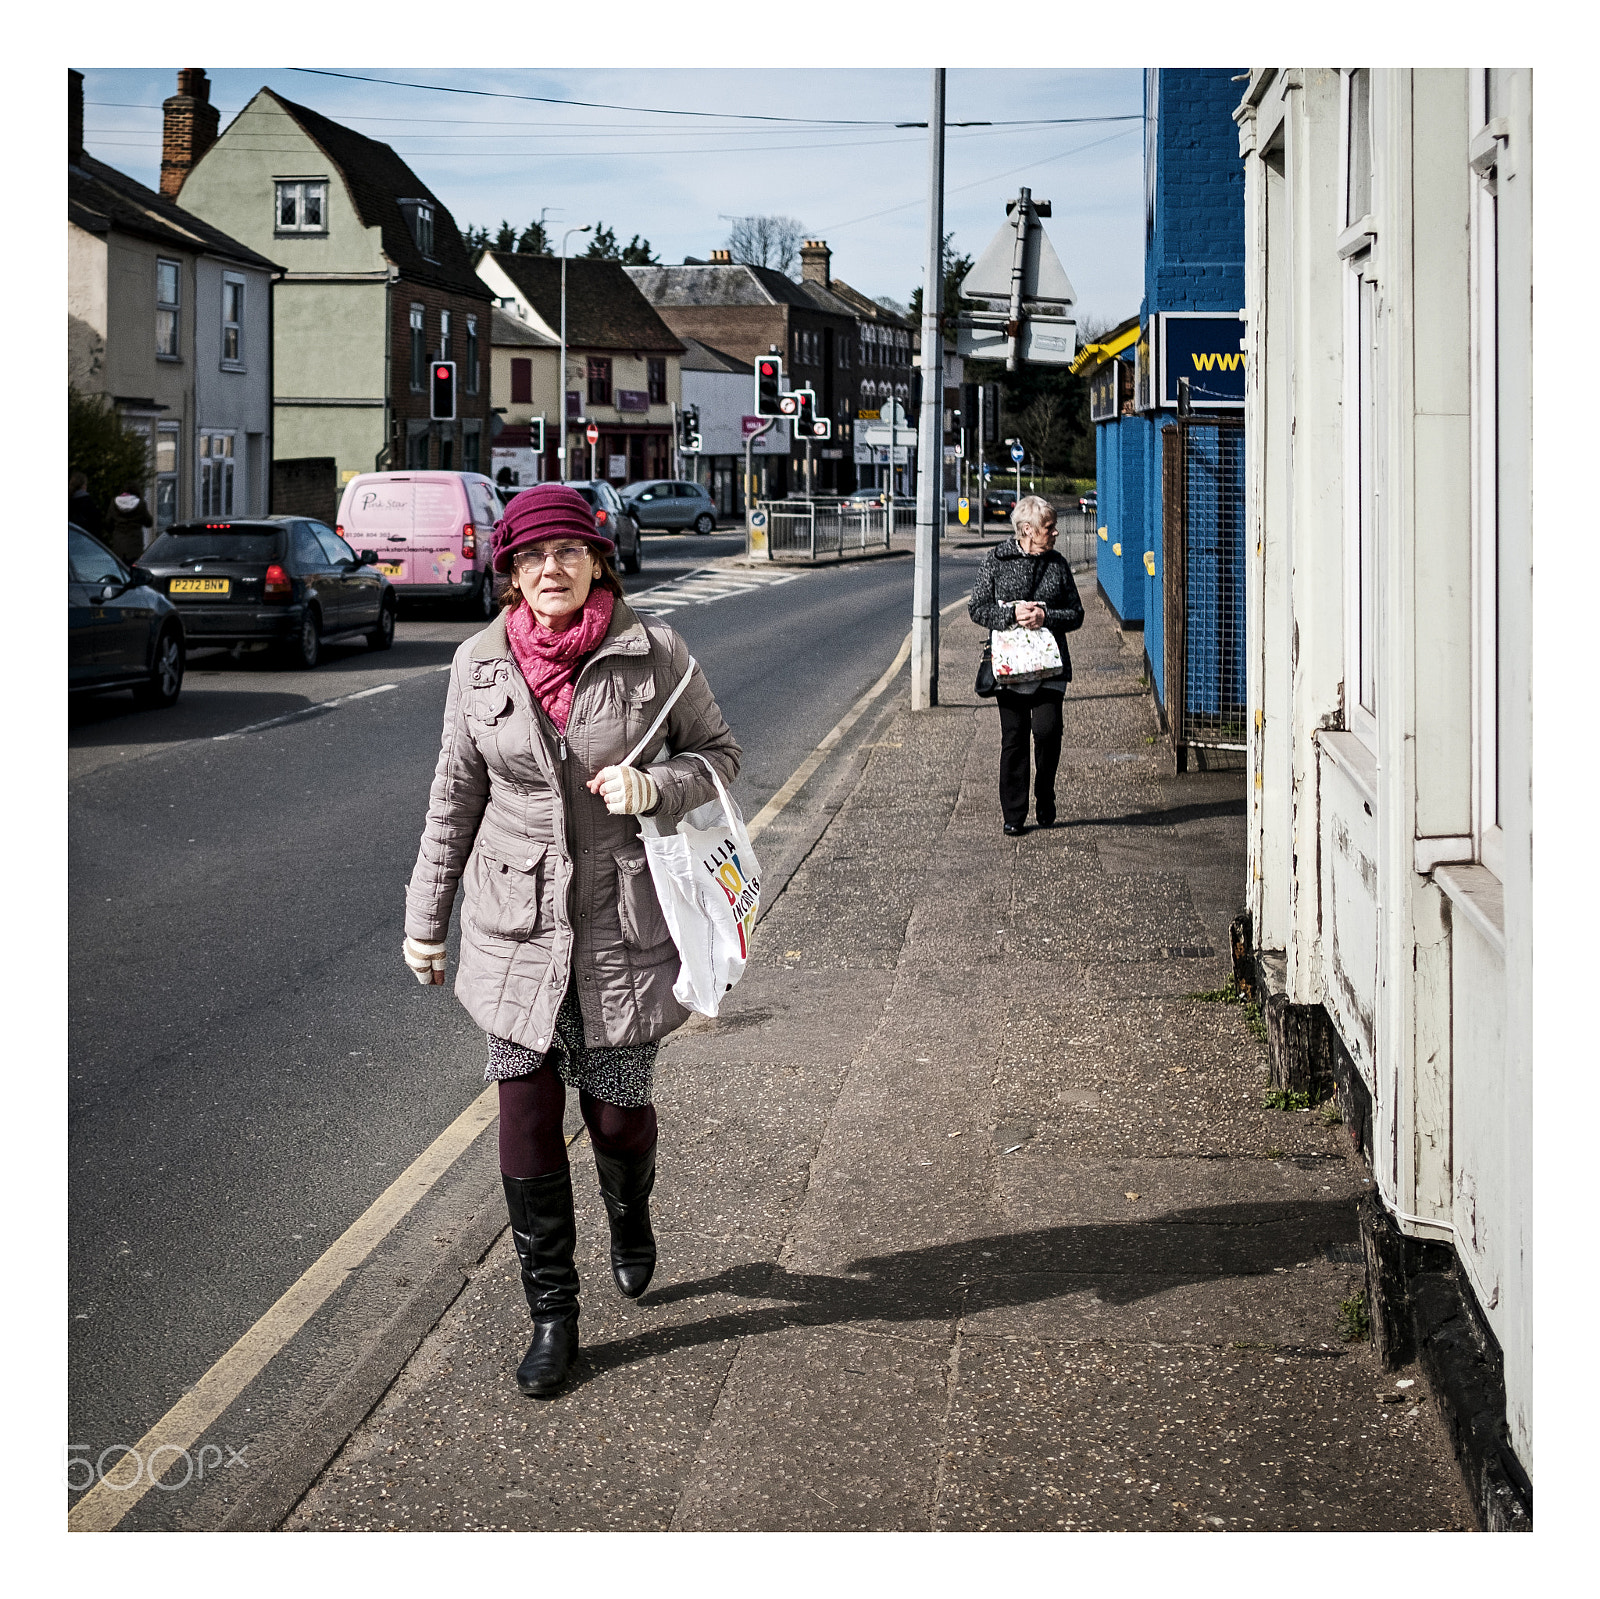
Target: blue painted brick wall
x=1195, y=259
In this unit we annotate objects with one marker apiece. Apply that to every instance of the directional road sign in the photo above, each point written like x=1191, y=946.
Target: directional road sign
x=1016, y=453
x=592, y=433
x=963, y=511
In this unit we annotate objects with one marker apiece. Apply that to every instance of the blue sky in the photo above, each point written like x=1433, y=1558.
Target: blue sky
x=675, y=179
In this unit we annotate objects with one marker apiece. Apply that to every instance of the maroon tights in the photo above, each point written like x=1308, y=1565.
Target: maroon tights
x=532, y=1108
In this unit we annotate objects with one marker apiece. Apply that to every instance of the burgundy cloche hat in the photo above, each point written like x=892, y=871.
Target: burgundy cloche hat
x=546, y=511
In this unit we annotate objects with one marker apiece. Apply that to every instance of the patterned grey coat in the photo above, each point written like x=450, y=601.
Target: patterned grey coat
x=1006, y=576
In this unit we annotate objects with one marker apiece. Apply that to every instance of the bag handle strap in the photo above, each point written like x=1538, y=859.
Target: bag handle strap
x=661, y=716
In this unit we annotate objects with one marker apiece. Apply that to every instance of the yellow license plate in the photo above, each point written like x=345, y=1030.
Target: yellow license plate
x=391, y=568
x=199, y=585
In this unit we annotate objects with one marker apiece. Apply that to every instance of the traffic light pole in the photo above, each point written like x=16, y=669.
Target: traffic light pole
x=930, y=443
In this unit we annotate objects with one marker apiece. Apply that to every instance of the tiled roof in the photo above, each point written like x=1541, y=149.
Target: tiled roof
x=863, y=307
x=511, y=330
x=605, y=311
x=732, y=283
x=699, y=357
x=377, y=181
x=102, y=200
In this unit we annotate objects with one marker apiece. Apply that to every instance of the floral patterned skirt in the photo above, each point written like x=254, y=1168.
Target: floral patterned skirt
x=621, y=1076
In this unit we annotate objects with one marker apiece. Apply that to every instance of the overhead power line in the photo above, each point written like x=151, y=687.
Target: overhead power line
x=722, y=116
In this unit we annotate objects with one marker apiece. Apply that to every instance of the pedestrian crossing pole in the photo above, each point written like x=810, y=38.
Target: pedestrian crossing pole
x=930, y=439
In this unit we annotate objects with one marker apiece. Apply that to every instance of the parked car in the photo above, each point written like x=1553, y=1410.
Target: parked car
x=122, y=631
x=660, y=502
x=286, y=581
x=1090, y=501
x=433, y=532
x=614, y=519
x=999, y=502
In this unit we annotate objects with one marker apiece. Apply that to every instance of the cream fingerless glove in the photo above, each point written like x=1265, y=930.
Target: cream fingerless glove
x=627, y=791
x=426, y=960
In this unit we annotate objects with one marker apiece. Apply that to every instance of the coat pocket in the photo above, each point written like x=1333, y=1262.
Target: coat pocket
x=508, y=893
x=638, y=909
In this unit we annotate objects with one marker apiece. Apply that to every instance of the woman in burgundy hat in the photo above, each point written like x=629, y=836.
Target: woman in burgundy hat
x=565, y=961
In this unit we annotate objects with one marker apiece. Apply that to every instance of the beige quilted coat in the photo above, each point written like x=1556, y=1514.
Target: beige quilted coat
x=551, y=882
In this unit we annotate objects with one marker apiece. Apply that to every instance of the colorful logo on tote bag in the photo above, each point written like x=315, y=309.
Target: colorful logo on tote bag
x=743, y=895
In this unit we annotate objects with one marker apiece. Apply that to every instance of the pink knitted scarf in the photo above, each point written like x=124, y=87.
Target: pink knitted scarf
x=550, y=661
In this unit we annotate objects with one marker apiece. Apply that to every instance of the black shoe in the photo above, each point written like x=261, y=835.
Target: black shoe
x=1014, y=829
x=1044, y=821
x=626, y=1182
x=544, y=1232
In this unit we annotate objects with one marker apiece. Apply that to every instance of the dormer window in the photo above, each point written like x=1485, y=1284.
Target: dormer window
x=419, y=218
x=302, y=205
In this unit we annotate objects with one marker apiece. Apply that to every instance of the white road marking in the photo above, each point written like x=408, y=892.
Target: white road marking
x=308, y=710
x=703, y=586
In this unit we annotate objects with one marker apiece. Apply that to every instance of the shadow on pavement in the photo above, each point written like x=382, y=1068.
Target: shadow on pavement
x=1119, y=1262
x=1171, y=817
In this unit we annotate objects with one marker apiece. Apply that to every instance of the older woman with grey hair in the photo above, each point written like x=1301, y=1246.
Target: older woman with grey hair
x=1024, y=583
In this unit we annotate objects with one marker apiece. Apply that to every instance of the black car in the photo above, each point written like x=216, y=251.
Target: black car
x=122, y=632
x=999, y=502
x=615, y=519
x=287, y=581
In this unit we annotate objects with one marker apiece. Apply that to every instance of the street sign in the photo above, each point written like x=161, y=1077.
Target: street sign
x=1016, y=453
x=592, y=433
x=987, y=469
x=758, y=519
x=994, y=275
x=963, y=512
x=1045, y=340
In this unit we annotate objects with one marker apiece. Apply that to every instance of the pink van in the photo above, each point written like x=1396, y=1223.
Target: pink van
x=432, y=532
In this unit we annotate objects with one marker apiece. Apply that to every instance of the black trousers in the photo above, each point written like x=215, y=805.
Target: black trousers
x=1020, y=715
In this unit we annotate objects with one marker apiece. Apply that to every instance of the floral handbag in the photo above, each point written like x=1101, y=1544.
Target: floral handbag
x=1018, y=655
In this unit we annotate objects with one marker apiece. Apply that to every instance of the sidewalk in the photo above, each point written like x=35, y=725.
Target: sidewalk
x=970, y=1214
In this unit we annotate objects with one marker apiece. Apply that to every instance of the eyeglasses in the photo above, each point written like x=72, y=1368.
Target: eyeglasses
x=566, y=554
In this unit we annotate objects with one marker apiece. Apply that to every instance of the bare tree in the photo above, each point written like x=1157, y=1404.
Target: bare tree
x=766, y=241
x=1040, y=426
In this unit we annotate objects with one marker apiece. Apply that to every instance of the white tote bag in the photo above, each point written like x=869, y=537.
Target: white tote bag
x=708, y=882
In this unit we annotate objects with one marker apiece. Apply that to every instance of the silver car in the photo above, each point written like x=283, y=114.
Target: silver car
x=668, y=503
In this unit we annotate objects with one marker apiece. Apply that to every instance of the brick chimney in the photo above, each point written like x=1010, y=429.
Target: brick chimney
x=722, y=258
x=814, y=262
x=188, y=128
x=74, y=114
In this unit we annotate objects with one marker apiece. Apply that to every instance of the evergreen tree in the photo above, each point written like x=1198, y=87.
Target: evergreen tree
x=506, y=238
x=534, y=240
x=100, y=447
x=603, y=246
x=636, y=252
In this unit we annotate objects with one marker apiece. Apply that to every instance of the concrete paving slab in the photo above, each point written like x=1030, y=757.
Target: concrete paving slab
x=1113, y=1437
x=971, y=1213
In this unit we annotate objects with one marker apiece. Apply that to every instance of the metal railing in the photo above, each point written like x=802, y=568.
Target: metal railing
x=832, y=528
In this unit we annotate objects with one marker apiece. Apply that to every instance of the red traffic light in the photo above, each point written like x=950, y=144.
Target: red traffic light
x=766, y=369
x=441, y=371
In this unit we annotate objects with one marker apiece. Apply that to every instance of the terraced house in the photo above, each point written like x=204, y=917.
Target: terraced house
x=378, y=282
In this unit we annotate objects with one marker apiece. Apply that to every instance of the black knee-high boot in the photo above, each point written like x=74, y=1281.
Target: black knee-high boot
x=544, y=1231
x=626, y=1182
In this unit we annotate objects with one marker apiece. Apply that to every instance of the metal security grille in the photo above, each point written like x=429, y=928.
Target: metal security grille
x=1203, y=559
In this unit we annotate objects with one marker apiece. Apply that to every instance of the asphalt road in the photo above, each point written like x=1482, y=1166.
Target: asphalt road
x=251, y=1063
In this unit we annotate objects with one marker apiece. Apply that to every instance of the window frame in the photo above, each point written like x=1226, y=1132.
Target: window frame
x=655, y=367
x=1363, y=436
x=215, y=472
x=419, y=347
x=470, y=386
x=172, y=308
x=522, y=380
x=1484, y=299
x=300, y=186
x=236, y=361
x=446, y=333
x=597, y=377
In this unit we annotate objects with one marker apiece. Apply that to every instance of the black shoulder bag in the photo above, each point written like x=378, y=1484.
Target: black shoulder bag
x=985, y=686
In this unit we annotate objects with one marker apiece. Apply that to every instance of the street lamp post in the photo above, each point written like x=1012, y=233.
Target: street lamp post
x=930, y=441
x=561, y=398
